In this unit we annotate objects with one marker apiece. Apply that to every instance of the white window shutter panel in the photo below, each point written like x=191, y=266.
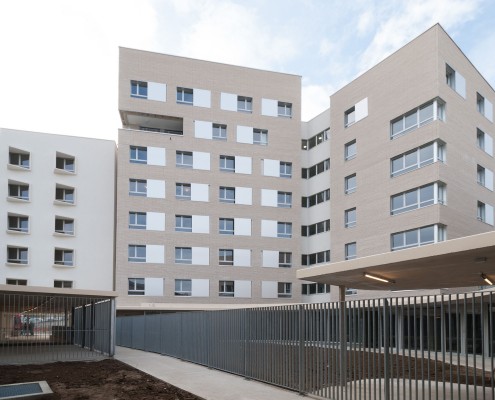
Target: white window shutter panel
x=269, y=289
x=155, y=221
x=200, y=256
x=199, y=192
x=242, y=258
x=460, y=84
x=488, y=110
x=271, y=167
x=242, y=226
x=200, y=287
x=155, y=189
x=228, y=101
x=155, y=254
x=244, y=195
x=489, y=144
x=157, y=91
x=269, y=107
x=243, y=165
x=489, y=179
x=361, y=109
x=268, y=228
x=201, y=224
x=244, y=134
x=156, y=156
x=242, y=289
x=270, y=258
x=489, y=214
x=201, y=98
x=201, y=160
x=153, y=286
x=269, y=197
x=203, y=129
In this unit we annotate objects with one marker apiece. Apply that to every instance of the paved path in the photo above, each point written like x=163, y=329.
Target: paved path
x=207, y=383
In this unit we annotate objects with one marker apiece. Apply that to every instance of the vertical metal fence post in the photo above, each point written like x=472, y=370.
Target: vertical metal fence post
x=343, y=338
x=301, y=349
x=386, y=345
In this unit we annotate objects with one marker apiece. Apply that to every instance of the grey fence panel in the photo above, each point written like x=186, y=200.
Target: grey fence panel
x=138, y=328
x=126, y=331
x=102, y=326
x=118, y=332
x=152, y=337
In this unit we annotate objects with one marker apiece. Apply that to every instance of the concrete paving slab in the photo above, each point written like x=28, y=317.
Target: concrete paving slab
x=203, y=382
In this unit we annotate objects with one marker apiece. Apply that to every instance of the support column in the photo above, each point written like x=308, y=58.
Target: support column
x=343, y=337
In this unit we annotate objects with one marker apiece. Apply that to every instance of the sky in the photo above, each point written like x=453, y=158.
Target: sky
x=59, y=58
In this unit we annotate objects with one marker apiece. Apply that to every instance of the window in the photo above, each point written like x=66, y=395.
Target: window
x=244, y=104
x=136, y=253
x=227, y=163
x=481, y=212
x=64, y=226
x=350, y=150
x=315, y=199
x=350, y=184
x=183, y=255
x=62, y=284
x=480, y=139
x=64, y=194
x=183, y=191
x=184, y=95
x=316, y=169
x=450, y=75
x=183, y=287
x=18, y=190
x=137, y=220
x=184, y=159
x=284, y=229
x=481, y=175
x=350, y=116
x=17, y=255
x=284, y=199
x=219, y=132
x=19, y=158
x=226, y=194
x=226, y=289
x=139, y=89
x=135, y=286
x=226, y=257
x=18, y=223
x=285, y=169
x=65, y=163
x=417, y=158
x=313, y=229
x=284, y=289
x=17, y=282
x=284, y=109
x=416, y=118
x=139, y=155
x=350, y=218
x=480, y=103
x=315, y=288
x=307, y=144
x=260, y=136
x=417, y=237
x=417, y=198
x=350, y=291
x=284, y=259
x=183, y=223
x=64, y=257
x=315, y=258
x=226, y=226
x=137, y=187
x=350, y=251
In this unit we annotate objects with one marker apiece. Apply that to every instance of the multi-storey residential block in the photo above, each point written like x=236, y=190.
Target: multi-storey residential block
x=57, y=227
x=208, y=191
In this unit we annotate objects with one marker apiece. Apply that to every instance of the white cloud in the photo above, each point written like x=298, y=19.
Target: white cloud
x=481, y=60
x=315, y=99
x=365, y=22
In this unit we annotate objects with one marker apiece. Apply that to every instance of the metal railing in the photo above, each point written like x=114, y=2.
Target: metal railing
x=430, y=347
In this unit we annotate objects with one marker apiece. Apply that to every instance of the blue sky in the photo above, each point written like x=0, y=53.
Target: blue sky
x=59, y=58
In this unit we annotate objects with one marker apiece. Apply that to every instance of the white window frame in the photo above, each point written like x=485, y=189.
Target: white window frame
x=350, y=217
x=284, y=230
x=57, y=283
x=284, y=199
x=245, y=104
x=180, y=290
x=350, y=251
x=415, y=119
x=438, y=235
x=132, y=253
x=65, y=222
x=223, y=163
x=20, y=220
x=183, y=223
x=17, y=189
x=181, y=159
x=19, y=258
x=260, y=136
x=225, y=194
x=183, y=191
x=226, y=257
x=285, y=259
x=135, y=152
x=65, y=163
x=219, y=132
x=63, y=257
x=182, y=93
x=223, y=287
x=223, y=226
x=134, y=217
x=347, y=181
x=183, y=255
x=284, y=290
x=284, y=109
x=136, y=87
x=284, y=166
x=350, y=117
x=135, y=283
x=65, y=194
x=135, y=185
x=19, y=158
x=349, y=146
x=418, y=202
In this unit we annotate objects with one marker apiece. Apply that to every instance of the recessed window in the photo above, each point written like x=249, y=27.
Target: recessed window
x=183, y=255
x=450, y=76
x=65, y=163
x=480, y=175
x=418, y=117
x=315, y=258
x=260, y=136
x=18, y=190
x=226, y=289
x=135, y=286
x=284, y=289
x=219, y=132
x=350, y=150
x=316, y=198
x=136, y=253
x=316, y=169
x=350, y=251
x=139, y=89
x=18, y=223
x=183, y=223
x=64, y=226
x=284, y=109
x=244, y=104
x=480, y=103
x=65, y=194
x=138, y=155
x=417, y=158
x=17, y=255
x=137, y=220
x=418, y=237
x=284, y=229
x=184, y=95
x=350, y=218
x=17, y=282
x=314, y=288
x=350, y=116
x=226, y=194
x=64, y=257
x=284, y=199
x=183, y=191
x=285, y=169
x=350, y=184
x=481, y=211
x=284, y=259
x=418, y=198
x=184, y=159
x=137, y=187
x=19, y=158
x=227, y=163
x=62, y=284
x=183, y=287
x=314, y=229
x=226, y=226
x=307, y=144
x=225, y=257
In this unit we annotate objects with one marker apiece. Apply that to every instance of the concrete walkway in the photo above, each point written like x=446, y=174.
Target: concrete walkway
x=207, y=383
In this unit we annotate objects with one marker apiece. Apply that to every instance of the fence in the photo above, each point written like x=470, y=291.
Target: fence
x=47, y=328
x=438, y=347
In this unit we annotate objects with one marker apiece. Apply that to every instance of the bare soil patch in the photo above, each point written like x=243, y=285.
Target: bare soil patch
x=95, y=380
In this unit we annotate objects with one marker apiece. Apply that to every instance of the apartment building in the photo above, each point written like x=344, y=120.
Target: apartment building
x=208, y=188
x=57, y=228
